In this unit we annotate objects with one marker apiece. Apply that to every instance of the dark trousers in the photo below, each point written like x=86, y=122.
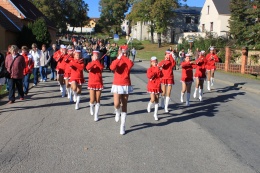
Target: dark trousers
x=53, y=73
x=107, y=62
x=18, y=83
x=26, y=80
x=35, y=75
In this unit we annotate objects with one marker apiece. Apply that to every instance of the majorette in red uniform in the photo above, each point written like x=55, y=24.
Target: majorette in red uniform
x=154, y=75
x=187, y=77
x=76, y=76
x=67, y=72
x=121, y=86
x=211, y=59
x=200, y=74
x=167, y=80
x=29, y=65
x=95, y=83
x=59, y=58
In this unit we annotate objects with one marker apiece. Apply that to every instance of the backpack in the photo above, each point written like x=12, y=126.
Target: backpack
x=3, y=70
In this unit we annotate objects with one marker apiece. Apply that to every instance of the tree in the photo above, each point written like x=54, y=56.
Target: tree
x=112, y=14
x=26, y=37
x=62, y=12
x=40, y=31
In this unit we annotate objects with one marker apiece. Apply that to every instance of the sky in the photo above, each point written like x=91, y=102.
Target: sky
x=94, y=12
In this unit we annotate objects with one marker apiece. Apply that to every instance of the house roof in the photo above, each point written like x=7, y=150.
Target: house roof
x=223, y=6
x=29, y=11
x=7, y=22
x=188, y=10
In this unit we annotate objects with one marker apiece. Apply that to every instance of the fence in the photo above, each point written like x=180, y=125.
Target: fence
x=236, y=68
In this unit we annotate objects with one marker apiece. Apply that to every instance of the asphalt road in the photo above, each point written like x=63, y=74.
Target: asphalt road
x=45, y=134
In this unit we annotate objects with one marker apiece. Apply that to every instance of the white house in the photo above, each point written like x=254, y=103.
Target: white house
x=214, y=17
x=186, y=20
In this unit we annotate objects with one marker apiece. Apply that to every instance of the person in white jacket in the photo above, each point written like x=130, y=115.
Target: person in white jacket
x=44, y=61
x=36, y=54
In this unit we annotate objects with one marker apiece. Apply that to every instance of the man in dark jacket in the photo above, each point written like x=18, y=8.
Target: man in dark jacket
x=15, y=65
x=53, y=63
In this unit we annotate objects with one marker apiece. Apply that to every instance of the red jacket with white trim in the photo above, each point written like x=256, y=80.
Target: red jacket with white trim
x=121, y=68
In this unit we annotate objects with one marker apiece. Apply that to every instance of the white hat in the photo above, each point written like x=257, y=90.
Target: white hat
x=95, y=52
x=153, y=58
x=62, y=46
x=167, y=52
x=77, y=51
x=211, y=48
x=202, y=51
x=187, y=54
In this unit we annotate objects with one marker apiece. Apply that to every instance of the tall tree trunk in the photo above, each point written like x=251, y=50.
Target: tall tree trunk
x=152, y=32
x=159, y=39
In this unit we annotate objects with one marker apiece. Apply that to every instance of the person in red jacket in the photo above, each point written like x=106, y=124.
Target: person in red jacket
x=67, y=72
x=154, y=75
x=121, y=86
x=29, y=64
x=95, y=83
x=211, y=58
x=200, y=74
x=187, y=77
x=167, y=80
x=60, y=68
x=76, y=76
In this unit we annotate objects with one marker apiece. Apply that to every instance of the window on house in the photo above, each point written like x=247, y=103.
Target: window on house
x=126, y=23
x=203, y=27
x=208, y=9
x=211, y=26
x=188, y=19
x=196, y=20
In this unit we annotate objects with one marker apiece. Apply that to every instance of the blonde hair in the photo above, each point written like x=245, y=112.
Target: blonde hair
x=14, y=48
x=34, y=45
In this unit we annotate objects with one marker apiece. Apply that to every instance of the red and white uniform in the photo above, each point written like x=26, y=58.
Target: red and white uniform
x=187, y=73
x=29, y=64
x=58, y=56
x=67, y=71
x=200, y=67
x=154, y=75
x=211, y=60
x=95, y=81
x=76, y=75
x=167, y=71
x=122, y=68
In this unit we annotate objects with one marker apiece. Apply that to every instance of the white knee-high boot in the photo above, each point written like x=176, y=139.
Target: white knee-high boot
x=212, y=81
x=77, y=102
x=195, y=93
x=91, y=108
x=68, y=92
x=122, y=126
x=70, y=95
x=74, y=96
x=149, y=106
x=208, y=85
x=96, y=112
x=167, y=100
x=118, y=112
x=162, y=102
x=188, y=99
x=182, y=95
x=200, y=94
x=155, y=115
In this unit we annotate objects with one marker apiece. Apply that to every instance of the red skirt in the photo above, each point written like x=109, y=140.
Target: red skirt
x=66, y=75
x=60, y=71
x=95, y=87
x=154, y=91
x=167, y=81
x=78, y=81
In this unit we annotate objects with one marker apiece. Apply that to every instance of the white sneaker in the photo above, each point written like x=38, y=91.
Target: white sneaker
x=33, y=85
x=41, y=80
x=122, y=130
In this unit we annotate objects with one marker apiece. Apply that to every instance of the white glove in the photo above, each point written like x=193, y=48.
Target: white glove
x=119, y=57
